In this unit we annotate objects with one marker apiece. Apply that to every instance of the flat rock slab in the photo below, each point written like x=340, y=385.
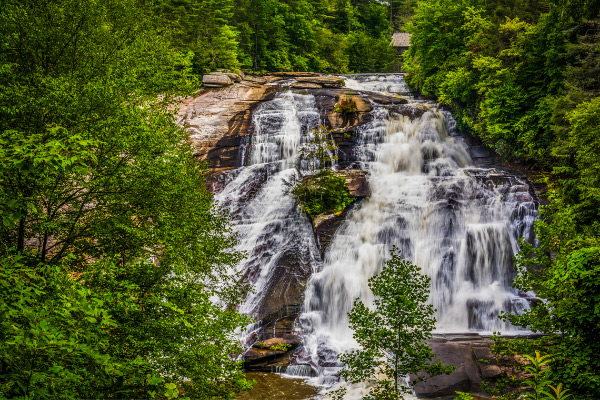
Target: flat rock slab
x=305, y=85
x=217, y=119
x=323, y=81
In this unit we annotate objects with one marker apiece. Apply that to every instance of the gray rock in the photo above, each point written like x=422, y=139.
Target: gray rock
x=234, y=77
x=216, y=80
x=444, y=385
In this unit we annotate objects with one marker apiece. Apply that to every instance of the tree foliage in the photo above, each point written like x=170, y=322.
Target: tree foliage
x=334, y=36
x=116, y=267
x=523, y=76
x=392, y=334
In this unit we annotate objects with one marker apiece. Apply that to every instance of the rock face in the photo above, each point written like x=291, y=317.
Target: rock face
x=263, y=356
x=217, y=120
x=340, y=122
x=475, y=365
x=324, y=81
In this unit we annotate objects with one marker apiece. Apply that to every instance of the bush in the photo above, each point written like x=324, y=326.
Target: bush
x=324, y=192
x=346, y=105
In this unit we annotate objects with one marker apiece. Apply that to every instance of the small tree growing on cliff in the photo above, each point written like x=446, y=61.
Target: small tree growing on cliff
x=392, y=335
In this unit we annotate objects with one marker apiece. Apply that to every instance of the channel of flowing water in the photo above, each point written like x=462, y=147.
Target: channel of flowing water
x=459, y=223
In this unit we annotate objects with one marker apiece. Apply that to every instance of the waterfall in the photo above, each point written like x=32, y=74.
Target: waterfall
x=270, y=227
x=459, y=223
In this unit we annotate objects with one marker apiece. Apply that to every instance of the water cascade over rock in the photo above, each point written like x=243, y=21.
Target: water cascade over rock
x=459, y=222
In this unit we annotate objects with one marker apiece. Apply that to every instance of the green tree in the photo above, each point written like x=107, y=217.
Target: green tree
x=563, y=270
x=392, y=334
x=116, y=265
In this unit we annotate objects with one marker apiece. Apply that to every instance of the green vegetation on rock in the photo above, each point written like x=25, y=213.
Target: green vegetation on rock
x=324, y=192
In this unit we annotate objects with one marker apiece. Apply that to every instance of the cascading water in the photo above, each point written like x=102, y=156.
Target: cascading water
x=269, y=225
x=459, y=223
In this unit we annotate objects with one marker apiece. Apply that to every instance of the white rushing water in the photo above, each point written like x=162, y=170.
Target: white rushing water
x=460, y=224
x=269, y=225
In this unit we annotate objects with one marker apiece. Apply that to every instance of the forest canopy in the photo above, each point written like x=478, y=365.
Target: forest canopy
x=524, y=77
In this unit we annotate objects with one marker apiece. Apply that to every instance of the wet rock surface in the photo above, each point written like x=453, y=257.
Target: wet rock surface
x=217, y=120
x=476, y=366
x=272, y=347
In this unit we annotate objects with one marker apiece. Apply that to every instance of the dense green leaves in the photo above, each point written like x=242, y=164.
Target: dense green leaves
x=392, y=333
x=324, y=192
x=334, y=36
x=117, y=270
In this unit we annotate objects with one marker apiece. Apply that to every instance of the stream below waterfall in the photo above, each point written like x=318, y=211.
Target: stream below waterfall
x=459, y=222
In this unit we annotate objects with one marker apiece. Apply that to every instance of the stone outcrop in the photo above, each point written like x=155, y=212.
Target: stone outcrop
x=356, y=182
x=217, y=120
x=216, y=80
x=262, y=355
x=475, y=365
x=324, y=81
x=305, y=85
x=340, y=122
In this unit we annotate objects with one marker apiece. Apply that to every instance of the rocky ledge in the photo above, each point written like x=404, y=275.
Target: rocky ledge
x=476, y=367
x=217, y=120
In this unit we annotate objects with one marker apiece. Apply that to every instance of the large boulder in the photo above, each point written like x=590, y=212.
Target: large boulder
x=234, y=77
x=216, y=80
x=476, y=367
x=348, y=112
x=343, y=110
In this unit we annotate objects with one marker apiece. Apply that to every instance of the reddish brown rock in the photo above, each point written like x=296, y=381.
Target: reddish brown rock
x=289, y=340
x=217, y=120
x=305, y=85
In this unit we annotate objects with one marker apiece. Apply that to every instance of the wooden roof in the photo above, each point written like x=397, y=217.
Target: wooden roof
x=400, y=39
